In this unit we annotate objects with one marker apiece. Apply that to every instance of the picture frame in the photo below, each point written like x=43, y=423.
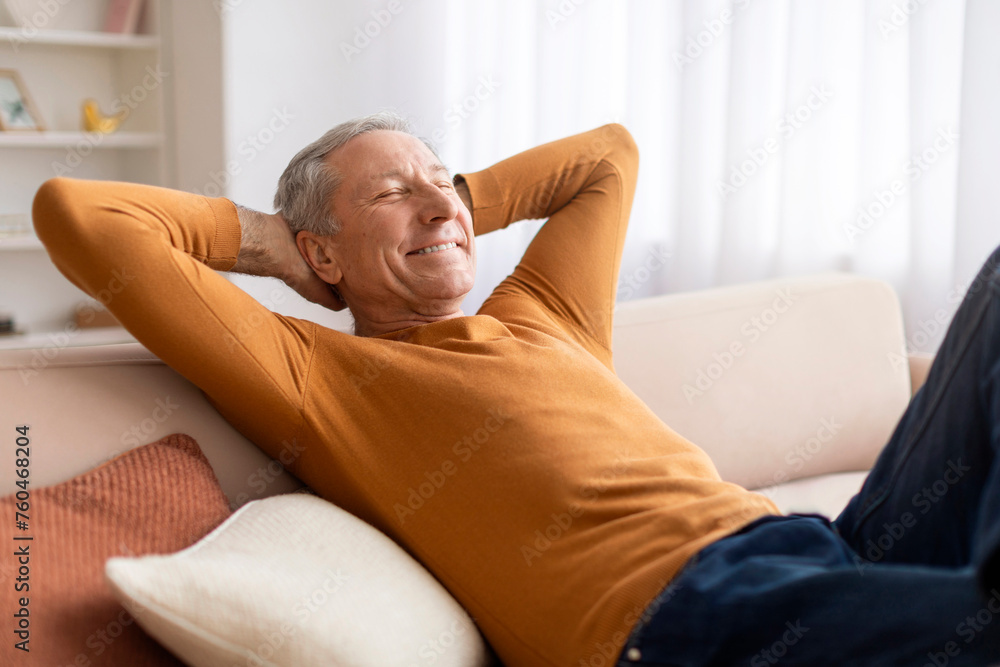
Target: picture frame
x=17, y=111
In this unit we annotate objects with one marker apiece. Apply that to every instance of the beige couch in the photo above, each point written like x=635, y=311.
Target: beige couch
x=791, y=385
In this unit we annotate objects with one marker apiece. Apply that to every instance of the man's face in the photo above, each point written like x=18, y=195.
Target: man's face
x=396, y=203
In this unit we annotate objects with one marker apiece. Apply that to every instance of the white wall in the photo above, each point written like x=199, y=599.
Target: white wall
x=283, y=87
x=304, y=68
x=195, y=109
x=285, y=64
x=978, y=146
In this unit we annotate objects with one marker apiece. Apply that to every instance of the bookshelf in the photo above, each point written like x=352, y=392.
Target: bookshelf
x=100, y=40
x=61, y=65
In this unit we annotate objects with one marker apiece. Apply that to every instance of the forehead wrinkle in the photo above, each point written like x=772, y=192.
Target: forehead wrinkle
x=434, y=168
x=430, y=170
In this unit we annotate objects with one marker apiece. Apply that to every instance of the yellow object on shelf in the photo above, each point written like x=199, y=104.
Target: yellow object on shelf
x=94, y=119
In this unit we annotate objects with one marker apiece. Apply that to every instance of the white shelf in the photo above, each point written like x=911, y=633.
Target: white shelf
x=103, y=40
x=61, y=66
x=58, y=139
x=20, y=242
x=61, y=338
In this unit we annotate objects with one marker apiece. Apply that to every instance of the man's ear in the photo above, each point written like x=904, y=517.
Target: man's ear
x=317, y=252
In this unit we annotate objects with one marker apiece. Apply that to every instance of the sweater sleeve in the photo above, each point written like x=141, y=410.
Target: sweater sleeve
x=584, y=185
x=148, y=255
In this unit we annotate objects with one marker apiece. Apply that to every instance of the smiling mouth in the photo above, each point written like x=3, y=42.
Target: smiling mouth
x=434, y=248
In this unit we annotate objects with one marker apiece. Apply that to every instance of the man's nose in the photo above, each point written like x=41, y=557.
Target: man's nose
x=438, y=206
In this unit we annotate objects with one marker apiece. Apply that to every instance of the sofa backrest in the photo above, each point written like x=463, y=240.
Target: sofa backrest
x=777, y=380
x=86, y=405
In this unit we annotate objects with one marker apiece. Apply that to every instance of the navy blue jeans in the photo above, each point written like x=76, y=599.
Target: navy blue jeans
x=908, y=574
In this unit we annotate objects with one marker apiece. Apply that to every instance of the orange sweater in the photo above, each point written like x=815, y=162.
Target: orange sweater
x=499, y=448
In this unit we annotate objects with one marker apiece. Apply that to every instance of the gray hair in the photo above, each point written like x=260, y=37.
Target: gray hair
x=308, y=184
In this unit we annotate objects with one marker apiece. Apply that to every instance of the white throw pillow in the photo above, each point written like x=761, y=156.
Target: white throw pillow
x=294, y=580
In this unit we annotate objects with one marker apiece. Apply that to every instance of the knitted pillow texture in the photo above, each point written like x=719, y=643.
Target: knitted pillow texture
x=158, y=498
x=295, y=581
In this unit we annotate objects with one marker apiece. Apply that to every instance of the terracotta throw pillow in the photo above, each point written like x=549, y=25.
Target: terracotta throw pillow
x=154, y=499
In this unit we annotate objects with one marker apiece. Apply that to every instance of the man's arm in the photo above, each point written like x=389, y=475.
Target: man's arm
x=462, y=188
x=160, y=249
x=267, y=248
x=584, y=185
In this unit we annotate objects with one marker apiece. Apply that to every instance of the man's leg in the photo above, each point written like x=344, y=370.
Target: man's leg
x=933, y=496
x=792, y=590
x=786, y=591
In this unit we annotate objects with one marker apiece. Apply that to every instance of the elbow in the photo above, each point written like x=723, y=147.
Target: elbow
x=55, y=211
x=623, y=152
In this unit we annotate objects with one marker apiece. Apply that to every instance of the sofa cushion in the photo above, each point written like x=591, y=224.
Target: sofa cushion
x=295, y=580
x=823, y=494
x=158, y=498
x=776, y=380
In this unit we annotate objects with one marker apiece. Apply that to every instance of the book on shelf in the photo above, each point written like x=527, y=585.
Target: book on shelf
x=123, y=16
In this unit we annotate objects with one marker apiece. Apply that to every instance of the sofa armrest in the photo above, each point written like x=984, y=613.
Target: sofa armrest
x=920, y=366
x=86, y=405
x=776, y=380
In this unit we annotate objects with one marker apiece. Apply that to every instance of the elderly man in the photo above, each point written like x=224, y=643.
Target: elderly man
x=563, y=510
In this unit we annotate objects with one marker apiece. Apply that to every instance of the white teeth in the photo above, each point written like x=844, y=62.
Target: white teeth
x=435, y=248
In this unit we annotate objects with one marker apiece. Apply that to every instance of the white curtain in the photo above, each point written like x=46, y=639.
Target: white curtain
x=777, y=137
